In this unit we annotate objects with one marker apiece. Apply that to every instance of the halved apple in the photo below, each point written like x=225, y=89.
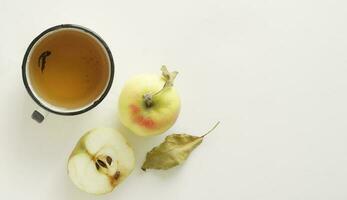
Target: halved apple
x=100, y=160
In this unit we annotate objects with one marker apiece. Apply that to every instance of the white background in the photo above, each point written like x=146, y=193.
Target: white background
x=272, y=71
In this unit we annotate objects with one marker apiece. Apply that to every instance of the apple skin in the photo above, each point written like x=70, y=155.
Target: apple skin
x=90, y=145
x=143, y=120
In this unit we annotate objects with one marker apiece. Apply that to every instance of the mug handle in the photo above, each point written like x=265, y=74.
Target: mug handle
x=38, y=116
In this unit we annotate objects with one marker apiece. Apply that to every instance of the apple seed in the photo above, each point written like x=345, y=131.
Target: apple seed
x=109, y=160
x=116, y=175
x=101, y=163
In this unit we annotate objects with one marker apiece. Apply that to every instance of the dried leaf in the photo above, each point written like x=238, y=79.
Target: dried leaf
x=173, y=151
x=169, y=76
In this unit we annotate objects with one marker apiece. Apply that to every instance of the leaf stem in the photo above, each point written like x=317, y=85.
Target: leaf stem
x=215, y=126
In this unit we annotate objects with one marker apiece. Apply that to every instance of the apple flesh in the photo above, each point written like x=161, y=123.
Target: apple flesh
x=146, y=117
x=100, y=160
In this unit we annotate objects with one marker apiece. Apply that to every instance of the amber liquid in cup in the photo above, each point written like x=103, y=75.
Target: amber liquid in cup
x=68, y=68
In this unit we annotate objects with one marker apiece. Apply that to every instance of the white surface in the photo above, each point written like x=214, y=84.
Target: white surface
x=272, y=71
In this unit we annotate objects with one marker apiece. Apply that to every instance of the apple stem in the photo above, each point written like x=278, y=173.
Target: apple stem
x=148, y=98
x=215, y=126
x=162, y=89
x=169, y=79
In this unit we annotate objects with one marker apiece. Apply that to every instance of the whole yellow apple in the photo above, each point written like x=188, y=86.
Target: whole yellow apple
x=149, y=104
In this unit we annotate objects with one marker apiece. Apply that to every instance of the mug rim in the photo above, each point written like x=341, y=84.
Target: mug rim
x=96, y=101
